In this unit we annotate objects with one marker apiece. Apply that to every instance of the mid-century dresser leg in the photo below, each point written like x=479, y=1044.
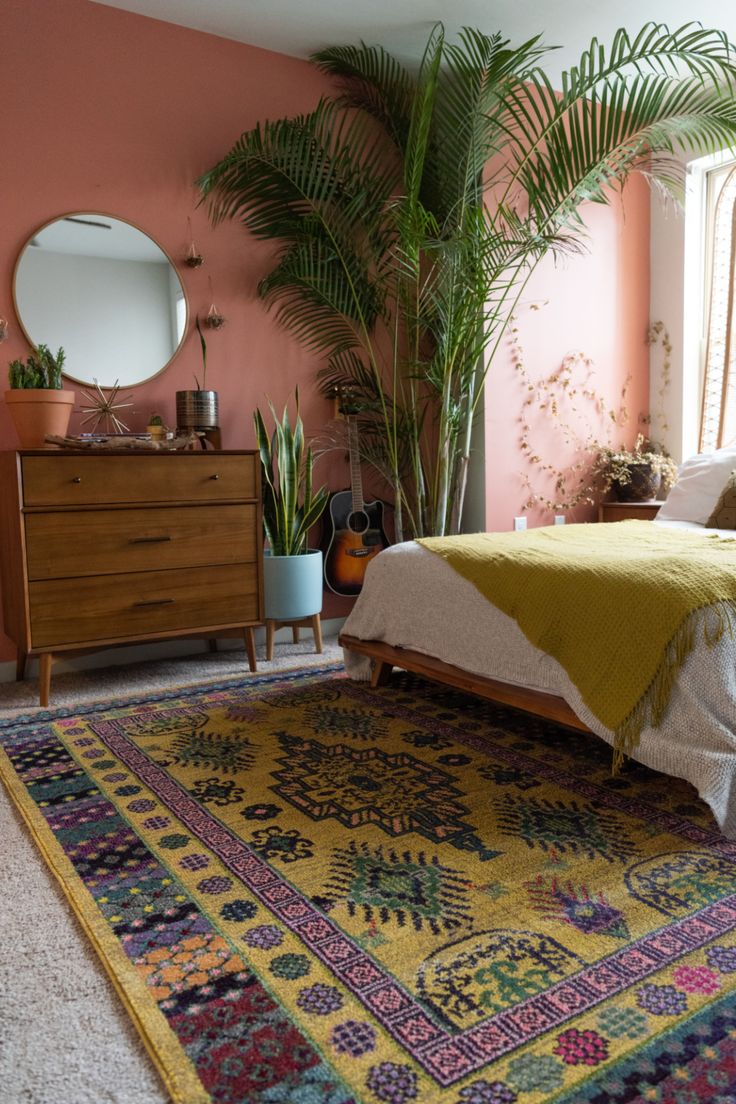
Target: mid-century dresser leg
x=270, y=630
x=250, y=646
x=20, y=665
x=45, y=661
x=212, y=642
x=317, y=630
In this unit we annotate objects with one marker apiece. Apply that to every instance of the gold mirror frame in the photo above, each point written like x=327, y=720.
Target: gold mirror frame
x=135, y=226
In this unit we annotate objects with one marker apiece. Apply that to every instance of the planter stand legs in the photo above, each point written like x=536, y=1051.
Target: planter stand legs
x=312, y=623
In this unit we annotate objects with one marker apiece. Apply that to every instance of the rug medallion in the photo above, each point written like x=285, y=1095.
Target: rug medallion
x=310, y=892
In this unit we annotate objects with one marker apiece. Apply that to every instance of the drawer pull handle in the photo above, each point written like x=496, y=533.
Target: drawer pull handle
x=215, y=476
x=155, y=602
x=77, y=479
x=148, y=540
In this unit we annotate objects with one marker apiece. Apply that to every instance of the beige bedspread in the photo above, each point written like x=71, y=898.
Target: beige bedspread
x=413, y=599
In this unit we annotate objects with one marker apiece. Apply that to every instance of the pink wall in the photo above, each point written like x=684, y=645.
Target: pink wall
x=596, y=303
x=108, y=111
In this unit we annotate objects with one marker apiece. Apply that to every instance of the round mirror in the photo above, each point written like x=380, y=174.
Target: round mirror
x=104, y=291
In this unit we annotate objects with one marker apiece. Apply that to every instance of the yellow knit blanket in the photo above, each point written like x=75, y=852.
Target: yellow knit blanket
x=613, y=604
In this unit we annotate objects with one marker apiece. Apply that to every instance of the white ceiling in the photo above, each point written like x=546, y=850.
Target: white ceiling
x=88, y=234
x=298, y=27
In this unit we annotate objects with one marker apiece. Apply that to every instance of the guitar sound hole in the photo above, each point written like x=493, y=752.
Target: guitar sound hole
x=358, y=521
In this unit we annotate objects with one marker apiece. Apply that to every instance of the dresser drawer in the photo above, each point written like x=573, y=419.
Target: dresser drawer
x=73, y=543
x=88, y=480
x=111, y=607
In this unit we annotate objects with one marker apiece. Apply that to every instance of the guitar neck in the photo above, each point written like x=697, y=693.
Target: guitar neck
x=356, y=478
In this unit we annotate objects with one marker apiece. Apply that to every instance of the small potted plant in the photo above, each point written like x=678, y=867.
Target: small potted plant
x=156, y=427
x=638, y=474
x=292, y=571
x=37, y=403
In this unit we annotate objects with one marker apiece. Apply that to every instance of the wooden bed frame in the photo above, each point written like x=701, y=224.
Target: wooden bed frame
x=536, y=702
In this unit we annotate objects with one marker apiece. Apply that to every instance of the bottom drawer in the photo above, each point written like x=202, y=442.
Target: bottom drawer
x=130, y=606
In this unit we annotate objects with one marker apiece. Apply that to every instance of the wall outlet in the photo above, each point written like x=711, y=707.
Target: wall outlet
x=559, y=519
x=520, y=523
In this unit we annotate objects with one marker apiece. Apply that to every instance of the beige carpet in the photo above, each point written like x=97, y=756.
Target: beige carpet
x=64, y=1036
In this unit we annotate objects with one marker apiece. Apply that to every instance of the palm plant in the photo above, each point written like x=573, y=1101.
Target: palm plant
x=203, y=346
x=290, y=504
x=412, y=208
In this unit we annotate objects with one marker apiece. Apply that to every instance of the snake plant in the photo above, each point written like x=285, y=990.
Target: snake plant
x=290, y=504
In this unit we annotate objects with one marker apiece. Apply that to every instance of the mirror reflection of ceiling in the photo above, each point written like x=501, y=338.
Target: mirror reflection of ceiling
x=106, y=293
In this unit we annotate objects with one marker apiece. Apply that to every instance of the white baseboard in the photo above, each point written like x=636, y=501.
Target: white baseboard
x=161, y=649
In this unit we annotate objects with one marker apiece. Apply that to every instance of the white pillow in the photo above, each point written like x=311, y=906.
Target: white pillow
x=700, y=482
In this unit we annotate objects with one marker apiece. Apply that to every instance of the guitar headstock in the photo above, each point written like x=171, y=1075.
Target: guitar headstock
x=345, y=401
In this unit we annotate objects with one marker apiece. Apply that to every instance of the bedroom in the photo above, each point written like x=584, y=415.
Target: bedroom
x=118, y=113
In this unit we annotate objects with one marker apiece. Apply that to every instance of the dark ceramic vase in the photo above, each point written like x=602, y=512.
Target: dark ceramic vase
x=643, y=485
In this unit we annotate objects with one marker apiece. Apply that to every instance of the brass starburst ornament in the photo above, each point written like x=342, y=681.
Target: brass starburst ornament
x=103, y=409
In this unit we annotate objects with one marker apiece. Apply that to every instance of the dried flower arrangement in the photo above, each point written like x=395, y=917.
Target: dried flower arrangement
x=587, y=424
x=618, y=468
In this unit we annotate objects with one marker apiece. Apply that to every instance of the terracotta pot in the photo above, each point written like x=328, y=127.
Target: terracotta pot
x=38, y=411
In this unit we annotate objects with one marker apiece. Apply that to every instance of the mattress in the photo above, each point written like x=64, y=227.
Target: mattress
x=413, y=599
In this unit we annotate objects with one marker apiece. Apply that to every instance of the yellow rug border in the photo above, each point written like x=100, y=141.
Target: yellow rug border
x=174, y=1067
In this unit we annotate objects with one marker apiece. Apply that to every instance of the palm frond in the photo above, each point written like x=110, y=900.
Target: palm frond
x=412, y=207
x=373, y=81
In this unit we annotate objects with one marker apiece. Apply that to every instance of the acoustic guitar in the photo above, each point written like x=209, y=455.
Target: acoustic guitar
x=354, y=531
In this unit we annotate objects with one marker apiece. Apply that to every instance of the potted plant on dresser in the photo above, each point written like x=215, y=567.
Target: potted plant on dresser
x=292, y=572
x=36, y=401
x=198, y=410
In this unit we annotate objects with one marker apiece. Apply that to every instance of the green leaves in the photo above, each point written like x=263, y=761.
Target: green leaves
x=203, y=345
x=623, y=110
x=412, y=207
x=41, y=370
x=290, y=505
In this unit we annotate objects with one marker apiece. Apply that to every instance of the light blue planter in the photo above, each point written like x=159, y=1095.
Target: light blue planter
x=292, y=585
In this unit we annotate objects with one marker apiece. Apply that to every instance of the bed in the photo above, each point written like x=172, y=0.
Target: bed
x=417, y=613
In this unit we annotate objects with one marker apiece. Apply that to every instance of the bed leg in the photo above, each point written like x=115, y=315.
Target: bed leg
x=380, y=673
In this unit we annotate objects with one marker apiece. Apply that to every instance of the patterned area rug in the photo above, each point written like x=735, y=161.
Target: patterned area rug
x=310, y=892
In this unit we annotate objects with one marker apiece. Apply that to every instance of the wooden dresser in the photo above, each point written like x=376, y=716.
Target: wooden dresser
x=108, y=548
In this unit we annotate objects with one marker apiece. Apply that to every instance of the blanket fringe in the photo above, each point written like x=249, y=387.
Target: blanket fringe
x=714, y=621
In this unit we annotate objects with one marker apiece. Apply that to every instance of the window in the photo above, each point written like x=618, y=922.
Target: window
x=718, y=415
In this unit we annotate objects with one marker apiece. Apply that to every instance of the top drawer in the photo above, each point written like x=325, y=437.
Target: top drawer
x=60, y=479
